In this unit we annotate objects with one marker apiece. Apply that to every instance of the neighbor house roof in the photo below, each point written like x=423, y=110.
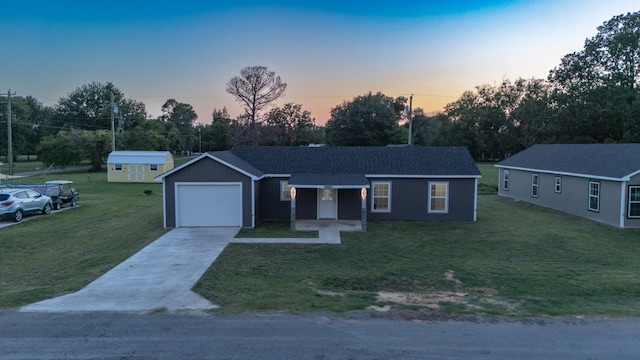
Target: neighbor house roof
x=606, y=161
x=137, y=157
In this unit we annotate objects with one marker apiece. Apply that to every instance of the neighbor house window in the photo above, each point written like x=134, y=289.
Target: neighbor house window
x=594, y=195
x=505, y=180
x=558, y=186
x=153, y=167
x=438, y=197
x=285, y=191
x=118, y=167
x=535, y=181
x=381, y=197
x=634, y=202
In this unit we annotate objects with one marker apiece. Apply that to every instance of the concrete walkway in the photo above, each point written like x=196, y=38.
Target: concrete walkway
x=160, y=276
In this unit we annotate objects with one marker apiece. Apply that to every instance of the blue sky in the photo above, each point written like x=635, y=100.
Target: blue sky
x=327, y=51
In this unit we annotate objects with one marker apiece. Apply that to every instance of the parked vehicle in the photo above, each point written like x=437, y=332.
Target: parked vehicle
x=60, y=191
x=16, y=203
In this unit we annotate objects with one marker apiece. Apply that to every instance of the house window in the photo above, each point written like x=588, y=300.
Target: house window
x=285, y=191
x=594, y=196
x=505, y=180
x=118, y=167
x=535, y=180
x=558, y=186
x=438, y=197
x=153, y=167
x=381, y=197
x=634, y=202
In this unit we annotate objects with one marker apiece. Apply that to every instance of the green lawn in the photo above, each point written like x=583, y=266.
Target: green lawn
x=60, y=253
x=518, y=259
x=488, y=184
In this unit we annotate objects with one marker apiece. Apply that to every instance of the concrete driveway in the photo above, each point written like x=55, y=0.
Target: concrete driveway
x=160, y=276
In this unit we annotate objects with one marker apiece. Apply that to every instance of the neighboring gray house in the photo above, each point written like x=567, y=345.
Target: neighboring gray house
x=597, y=181
x=245, y=185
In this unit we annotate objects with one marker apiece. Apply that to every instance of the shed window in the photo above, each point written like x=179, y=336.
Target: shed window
x=117, y=167
x=438, y=197
x=594, y=195
x=285, y=191
x=381, y=197
x=505, y=180
x=558, y=186
x=634, y=202
x=535, y=181
x=153, y=167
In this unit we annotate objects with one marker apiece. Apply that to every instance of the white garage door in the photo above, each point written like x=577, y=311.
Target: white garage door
x=208, y=205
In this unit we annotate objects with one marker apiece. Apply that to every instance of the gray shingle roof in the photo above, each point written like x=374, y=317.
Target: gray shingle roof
x=615, y=161
x=416, y=161
x=337, y=180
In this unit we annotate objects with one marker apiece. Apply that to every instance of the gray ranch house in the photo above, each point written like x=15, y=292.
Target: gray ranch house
x=246, y=185
x=600, y=182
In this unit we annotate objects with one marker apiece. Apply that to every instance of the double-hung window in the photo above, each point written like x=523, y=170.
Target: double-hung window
x=153, y=167
x=117, y=167
x=535, y=182
x=438, y=197
x=381, y=197
x=505, y=180
x=558, y=185
x=634, y=202
x=594, y=196
x=285, y=191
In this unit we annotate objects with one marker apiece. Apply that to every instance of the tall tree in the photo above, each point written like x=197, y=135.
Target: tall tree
x=367, y=120
x=217, y=136
x=183, y=116
x=89, y=107
x=288, y=125
x=255, y=89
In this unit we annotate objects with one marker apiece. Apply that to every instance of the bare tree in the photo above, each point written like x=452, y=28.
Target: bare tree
x=256, y=88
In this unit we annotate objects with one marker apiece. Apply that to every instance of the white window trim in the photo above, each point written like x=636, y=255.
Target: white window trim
x=446, y=198
x=535, y=185
x=284, y=183
x=115, y=167
x=506, y=177
x=629, y=202
x=151, y=168
x=373, y=196
x=557, y=187
x=594, y=196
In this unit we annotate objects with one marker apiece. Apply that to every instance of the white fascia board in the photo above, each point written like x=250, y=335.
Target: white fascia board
x=423, y=176
x=587, y=176
x=367, y=186
x=163, y=175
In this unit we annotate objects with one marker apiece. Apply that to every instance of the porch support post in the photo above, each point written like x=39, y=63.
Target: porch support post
x=293, y=214
x=363, y=214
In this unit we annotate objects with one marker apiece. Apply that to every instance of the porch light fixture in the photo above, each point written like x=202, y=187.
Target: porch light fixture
x=293, y=193
x=363, y=194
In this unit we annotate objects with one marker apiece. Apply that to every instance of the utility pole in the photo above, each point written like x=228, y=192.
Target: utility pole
x=9, y=135
x=200, y=139
x=113, y=127
x=410, y=118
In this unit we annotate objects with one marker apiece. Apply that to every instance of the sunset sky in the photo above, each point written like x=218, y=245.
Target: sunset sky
x=326, y=51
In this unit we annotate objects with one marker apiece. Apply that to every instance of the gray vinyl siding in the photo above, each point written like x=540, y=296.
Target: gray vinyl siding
x=206, y=170
x=271, y=207
x=632, y=223
x=409, y=200
x=349, y=204
x=307, y=204
x=573, y=198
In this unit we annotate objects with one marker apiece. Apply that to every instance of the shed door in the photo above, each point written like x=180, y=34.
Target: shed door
x=136, y=173
x=208, y=205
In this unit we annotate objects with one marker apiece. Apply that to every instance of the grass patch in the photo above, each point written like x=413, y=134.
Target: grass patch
x=274, y=229
x=518, y=259
x=60, y=253
x=488, y=183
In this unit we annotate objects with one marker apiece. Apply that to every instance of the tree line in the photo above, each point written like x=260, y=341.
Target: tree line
x=591, y=96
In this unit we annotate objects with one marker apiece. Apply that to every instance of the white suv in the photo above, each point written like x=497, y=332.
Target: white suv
x=15, y=203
